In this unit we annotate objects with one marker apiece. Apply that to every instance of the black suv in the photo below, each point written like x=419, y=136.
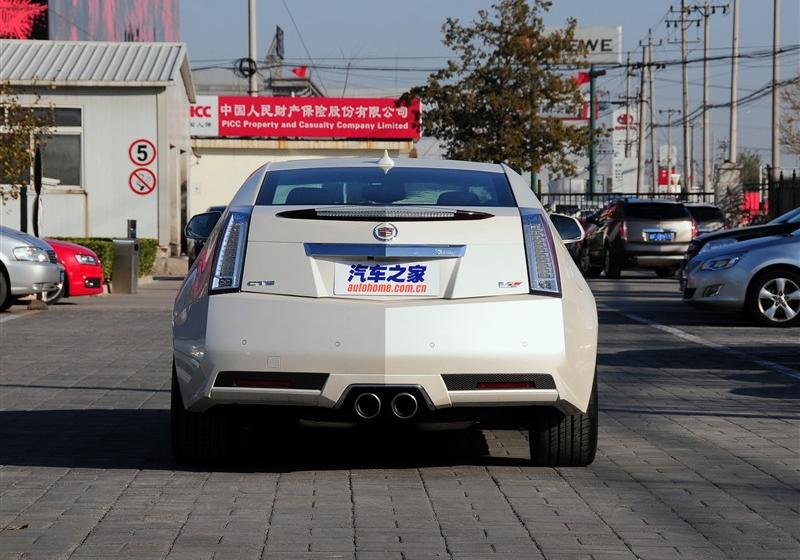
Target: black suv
x=638, y=233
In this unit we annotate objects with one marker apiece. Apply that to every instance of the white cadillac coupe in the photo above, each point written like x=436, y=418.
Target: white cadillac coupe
x=385, y=292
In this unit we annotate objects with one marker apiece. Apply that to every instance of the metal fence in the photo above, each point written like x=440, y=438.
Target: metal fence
x=756, y=202
x=568, y=203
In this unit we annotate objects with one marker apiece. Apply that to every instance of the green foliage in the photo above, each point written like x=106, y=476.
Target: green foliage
x=147, y=256
x=749, y=163
x=104, y=249
x=20, y=125
x=491, y=102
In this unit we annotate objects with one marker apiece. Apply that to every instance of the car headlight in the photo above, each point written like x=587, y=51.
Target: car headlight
x=721, y=263
x=86, y=259
x=33, y=254
x=717, y=243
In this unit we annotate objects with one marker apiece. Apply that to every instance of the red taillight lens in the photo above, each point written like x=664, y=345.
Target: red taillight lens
x=695, y=231
x=505, y=385
x=624, y=230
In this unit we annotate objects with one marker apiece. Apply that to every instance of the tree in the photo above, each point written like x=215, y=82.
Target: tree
x=489, y=104
x=21, y=126
x=790, y=127
x=749, y=163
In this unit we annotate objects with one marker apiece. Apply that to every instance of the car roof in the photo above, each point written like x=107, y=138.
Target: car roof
x=701, y=205
x=650, y=201
x=373, y=161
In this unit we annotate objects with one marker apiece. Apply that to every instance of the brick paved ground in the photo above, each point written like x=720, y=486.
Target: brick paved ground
x=698, y=455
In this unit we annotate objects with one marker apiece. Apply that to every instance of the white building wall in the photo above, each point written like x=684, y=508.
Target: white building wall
x=111, y=119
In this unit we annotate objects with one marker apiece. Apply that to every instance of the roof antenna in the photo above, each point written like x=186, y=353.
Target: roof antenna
x=386, y=163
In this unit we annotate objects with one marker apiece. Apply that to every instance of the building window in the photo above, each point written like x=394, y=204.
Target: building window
x=62, y=150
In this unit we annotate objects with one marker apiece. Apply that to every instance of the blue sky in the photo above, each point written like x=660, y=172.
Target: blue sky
x=358, y=30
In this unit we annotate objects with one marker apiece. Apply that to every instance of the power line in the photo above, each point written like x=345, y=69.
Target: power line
x=302, y=42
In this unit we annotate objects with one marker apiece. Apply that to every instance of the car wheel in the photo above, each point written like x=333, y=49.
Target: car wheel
x=587, y=269
x=199, y=437
x=773, y=298
x=6, y=299
x=611, y=266
x=561, y=440
x=666, y=271
x=53, y=296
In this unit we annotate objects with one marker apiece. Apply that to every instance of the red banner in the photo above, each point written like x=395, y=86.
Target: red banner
x=304, y=117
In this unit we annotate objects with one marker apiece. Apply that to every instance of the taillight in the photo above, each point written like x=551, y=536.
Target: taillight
x=229, y=261
x=695, y=231
x=542, y=262
x=624, y=230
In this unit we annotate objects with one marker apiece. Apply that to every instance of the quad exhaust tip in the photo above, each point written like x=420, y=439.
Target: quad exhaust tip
x=404, y=406
x=367, y=405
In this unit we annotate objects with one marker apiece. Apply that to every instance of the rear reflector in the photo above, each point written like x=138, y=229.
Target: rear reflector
x=263, y=383
x=506, y=385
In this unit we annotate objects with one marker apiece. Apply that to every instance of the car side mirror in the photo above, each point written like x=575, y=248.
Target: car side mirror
x=570, y=229
x=201, y=225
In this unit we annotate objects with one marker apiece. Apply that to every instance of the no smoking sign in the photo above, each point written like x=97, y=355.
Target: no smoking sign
x=142, y=181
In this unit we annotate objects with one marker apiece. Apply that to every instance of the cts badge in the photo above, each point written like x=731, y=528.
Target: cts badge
x=384, y=232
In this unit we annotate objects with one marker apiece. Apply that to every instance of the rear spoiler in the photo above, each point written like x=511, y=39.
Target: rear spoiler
x=395, y=213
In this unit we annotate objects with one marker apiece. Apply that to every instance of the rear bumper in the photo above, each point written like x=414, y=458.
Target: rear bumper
x=655, y=255
x=390, y=343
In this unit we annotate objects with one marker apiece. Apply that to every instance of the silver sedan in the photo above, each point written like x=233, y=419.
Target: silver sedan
x=760, y=277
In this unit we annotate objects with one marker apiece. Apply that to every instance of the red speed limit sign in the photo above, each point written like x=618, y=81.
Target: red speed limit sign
x=142, y=152
x=142, y=181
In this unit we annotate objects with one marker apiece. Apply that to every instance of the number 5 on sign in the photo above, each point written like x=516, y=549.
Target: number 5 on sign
x=142, y=152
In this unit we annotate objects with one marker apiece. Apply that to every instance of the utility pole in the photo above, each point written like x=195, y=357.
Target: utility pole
x=627, y=106
x=592, y=124
x=252, y=87
x=685, y=105
x=707, y=10
x=734, y=86
x=684, y=22
x=669, y=113
x=640, y=139
x=650, y=71
x=776, y=107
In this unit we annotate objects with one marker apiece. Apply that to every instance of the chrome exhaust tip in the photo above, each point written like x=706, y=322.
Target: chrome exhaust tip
x=367, y=405
x=404, y=406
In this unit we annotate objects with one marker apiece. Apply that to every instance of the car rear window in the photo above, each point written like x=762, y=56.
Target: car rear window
x=706, y=213
x=656, y=211
x=400, y=186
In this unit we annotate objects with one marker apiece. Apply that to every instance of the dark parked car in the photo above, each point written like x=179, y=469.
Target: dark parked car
x=638, y=233
x=709, y=218
x=194, y=246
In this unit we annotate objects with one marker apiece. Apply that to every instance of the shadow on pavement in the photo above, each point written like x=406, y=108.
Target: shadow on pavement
x=139, y=439
x=701, y=358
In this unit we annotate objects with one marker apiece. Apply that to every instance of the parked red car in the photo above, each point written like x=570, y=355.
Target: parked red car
x=82, y=275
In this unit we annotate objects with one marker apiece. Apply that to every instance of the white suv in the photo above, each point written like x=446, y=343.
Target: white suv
x=402, y=292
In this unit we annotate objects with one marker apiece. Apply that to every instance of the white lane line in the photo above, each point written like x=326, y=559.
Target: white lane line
x=766, y=364
x=6, y=318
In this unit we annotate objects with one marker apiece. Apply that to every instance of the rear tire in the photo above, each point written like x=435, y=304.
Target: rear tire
x=666, y=271
x=560, y=440
x=611, y=266
x=199, y=437
x=6, y=299
x=586, y=267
